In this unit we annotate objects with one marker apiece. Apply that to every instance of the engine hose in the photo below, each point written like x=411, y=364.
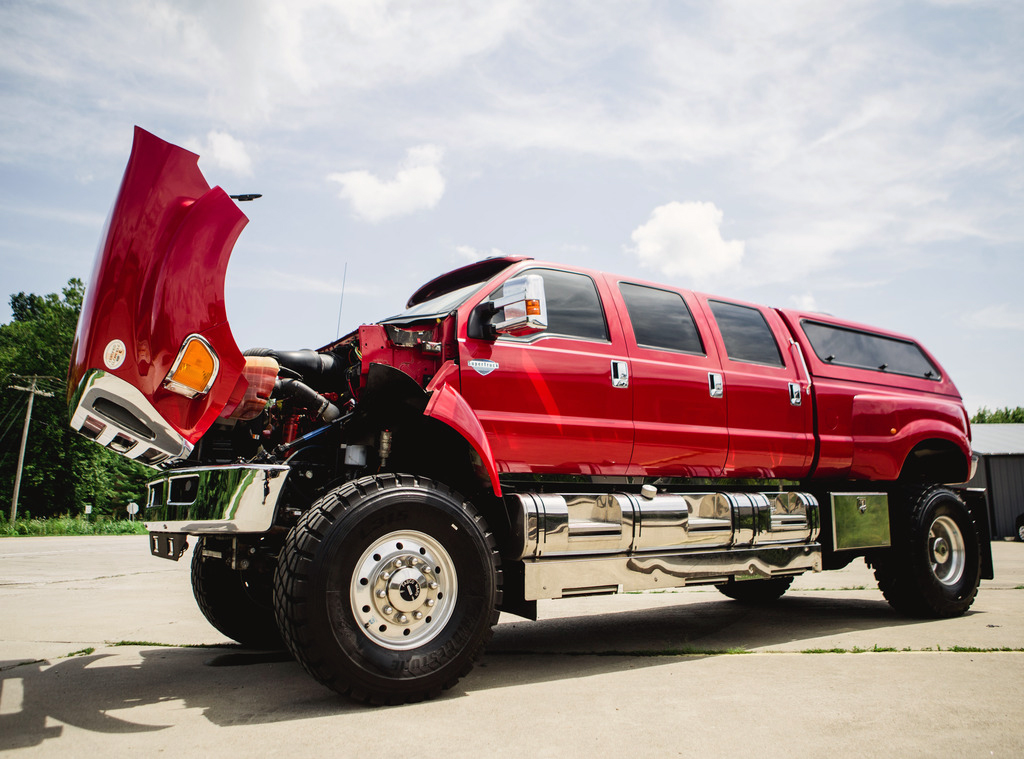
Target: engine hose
x=306, y=396
x=321, y=371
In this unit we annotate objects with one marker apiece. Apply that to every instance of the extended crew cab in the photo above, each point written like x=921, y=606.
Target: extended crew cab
x=522, y=431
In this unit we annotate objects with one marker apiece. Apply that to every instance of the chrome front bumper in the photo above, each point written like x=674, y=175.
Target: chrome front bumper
x=216, y=500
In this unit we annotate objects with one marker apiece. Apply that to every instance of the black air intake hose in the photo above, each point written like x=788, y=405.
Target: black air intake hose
x=320, y=371
x=306, y=396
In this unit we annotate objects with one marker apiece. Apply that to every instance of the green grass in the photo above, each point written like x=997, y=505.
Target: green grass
x=156, y=644
x=69, y=526
x=876, y=649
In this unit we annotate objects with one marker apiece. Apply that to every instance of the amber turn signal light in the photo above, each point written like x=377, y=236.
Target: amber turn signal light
x=194, y=369
x=533, y=308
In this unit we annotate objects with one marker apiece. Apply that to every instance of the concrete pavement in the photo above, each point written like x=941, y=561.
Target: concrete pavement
x=103, y=650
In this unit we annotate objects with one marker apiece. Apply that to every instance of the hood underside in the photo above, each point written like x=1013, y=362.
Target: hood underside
x=158, y=281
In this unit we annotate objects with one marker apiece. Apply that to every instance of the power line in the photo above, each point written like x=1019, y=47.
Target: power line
x=10, y=415
x=33, y=390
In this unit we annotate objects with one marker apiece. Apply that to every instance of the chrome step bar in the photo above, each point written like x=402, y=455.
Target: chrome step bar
x=586, y=543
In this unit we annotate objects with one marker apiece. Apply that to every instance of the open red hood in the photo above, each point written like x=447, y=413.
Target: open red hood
x=158, y=279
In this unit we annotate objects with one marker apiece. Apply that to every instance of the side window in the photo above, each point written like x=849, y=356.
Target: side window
x=661, y=319
x=574, y=306
x=864, y=350
x=746, y=334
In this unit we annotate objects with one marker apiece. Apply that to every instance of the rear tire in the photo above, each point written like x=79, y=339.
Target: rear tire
x=756, y=592
x=933, y=568
x=238, y=604
x=387, y=589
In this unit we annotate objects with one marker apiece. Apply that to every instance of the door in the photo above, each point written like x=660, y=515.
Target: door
x=559, y=401
x=770, y=416
x=679, y=417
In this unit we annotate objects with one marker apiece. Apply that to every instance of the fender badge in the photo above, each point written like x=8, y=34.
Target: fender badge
x=114, y=354
x=483, y=367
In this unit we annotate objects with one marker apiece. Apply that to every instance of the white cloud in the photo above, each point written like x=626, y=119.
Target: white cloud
x=685, y=240
x=804, y=302
x=224, y=151
x=999, y=316
x=471, y=254
x=417, y=186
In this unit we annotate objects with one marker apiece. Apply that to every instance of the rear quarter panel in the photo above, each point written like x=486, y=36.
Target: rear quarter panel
x=868, y=422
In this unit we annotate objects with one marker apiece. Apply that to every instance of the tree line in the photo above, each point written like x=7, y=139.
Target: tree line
x=63, y=471
x=1004, y=415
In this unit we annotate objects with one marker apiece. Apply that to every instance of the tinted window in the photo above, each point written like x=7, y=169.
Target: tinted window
x=574, y=307
x=661, y=319
x=746, y=334
x=863, y=350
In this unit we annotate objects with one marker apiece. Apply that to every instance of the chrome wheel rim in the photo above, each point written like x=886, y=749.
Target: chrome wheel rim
x=946, y=551
x=403, y=590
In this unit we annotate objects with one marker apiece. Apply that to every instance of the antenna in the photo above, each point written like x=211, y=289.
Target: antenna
x=341, y=305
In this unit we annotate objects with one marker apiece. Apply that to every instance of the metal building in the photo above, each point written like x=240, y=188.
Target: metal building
x=1001, y=473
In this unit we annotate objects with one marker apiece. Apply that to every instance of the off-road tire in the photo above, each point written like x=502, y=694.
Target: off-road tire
x=933, y=568
x=375, y=552
x=756, y=592
x=238, y=604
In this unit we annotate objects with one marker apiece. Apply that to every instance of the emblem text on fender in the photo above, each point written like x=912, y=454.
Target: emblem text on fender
x=483, y=367
x=114, y=354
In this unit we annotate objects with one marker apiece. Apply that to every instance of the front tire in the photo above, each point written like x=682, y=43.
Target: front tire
x=387, y=588
x=934, y=566
x=238, y=604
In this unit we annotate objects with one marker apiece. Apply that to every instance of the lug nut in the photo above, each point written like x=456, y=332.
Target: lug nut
x=417, y=615
x=386, y=576
x=433, y=586
x=402, y=619
x=398, y=564
x=388, y=610
x=431, y=602
x=381, y=593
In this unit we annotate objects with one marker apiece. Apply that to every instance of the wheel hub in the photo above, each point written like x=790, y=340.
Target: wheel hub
x=947, y=549
x=403, y=589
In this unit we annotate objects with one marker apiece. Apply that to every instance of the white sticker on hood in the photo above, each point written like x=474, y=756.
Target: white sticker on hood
x=114, y=354
x=483, y=367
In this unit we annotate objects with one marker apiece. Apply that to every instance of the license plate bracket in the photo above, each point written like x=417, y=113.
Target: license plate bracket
x=168, y=545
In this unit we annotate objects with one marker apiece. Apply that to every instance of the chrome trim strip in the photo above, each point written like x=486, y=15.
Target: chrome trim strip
x=599, y=575
x=230, y=499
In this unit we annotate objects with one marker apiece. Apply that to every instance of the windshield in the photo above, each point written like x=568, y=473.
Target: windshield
x=442, y=304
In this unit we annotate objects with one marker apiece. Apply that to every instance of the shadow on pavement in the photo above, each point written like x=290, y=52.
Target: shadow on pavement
x=714, y=626
x=231, y=686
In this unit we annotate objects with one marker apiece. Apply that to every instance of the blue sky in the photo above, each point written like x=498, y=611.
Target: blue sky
x=859, y=158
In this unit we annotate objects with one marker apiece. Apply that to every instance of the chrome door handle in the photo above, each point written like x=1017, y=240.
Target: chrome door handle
x=620, y=374
x=716, y=385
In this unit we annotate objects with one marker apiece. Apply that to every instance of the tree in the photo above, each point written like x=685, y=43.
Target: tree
x=63, y=471
x=1005, y=415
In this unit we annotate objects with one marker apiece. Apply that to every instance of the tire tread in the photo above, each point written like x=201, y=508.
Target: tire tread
x=293, y=586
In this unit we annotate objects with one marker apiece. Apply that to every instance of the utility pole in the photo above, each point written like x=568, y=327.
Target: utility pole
x=32, y=391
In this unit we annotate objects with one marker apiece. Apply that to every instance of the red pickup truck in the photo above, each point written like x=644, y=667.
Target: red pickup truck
x=522, y=431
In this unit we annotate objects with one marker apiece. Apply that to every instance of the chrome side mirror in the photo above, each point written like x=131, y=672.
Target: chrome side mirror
x=522, y=309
